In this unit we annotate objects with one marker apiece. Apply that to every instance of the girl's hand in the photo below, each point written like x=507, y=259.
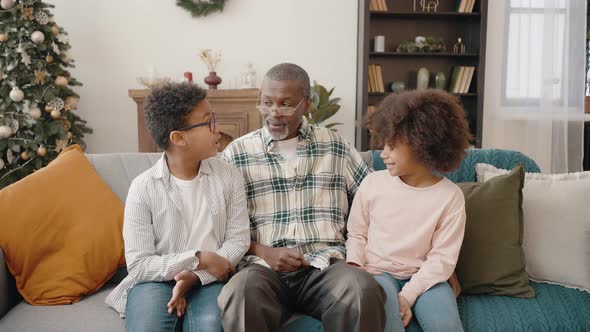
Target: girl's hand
x=404, y=310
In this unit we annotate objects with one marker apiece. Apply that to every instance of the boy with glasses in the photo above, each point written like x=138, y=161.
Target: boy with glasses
x=186, y=221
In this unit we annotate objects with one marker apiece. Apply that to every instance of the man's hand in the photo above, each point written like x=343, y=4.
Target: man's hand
x=185, y=280
x=217, y=265
x=283, y=259
x=404, y=310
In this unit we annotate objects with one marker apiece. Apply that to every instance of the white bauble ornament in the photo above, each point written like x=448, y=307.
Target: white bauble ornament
x=41, y=151
x=55, y=114
x=2, y=163
x=7, y=4
x=35, y=112
x=37, y=37
x=5, y=131
x=61, y=81
x=17, y=94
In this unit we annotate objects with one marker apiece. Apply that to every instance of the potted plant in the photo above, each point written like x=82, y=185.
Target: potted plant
x=322, y=107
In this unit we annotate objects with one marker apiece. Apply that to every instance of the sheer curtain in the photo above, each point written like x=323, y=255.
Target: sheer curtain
x=534, y=81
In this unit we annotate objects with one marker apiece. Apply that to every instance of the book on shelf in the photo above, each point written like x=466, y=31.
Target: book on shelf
x=378, y=6
x=372, y=80
x=380, y=84
x=461, y=78
x=471, y=6
x=461, y=5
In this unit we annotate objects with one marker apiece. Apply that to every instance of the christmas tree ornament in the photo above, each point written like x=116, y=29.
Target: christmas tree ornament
x=37, y=37
x=55, y=30
x=17, y=94
x=40, y=77
x=71, y=103
x=24, y=155
x=42, y=17
x=56, y=104
x=7, y=4
x=55, y=48
x=69, y=135
x=35, y=112
x=5, y=131
x=26, y=58
x=55, y=114
x=3, y=37
x=61, y=81
x=14, y=126
x=49, y=58
x=60, y=144
x=65, y=57
x=2, y=164
x=27, y=12
x=42, y=151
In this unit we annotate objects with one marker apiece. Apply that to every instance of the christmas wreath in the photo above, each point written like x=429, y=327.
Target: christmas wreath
x=201, y=7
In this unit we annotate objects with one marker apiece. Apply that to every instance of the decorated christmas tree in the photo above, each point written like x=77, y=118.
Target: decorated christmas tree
x=37, y=103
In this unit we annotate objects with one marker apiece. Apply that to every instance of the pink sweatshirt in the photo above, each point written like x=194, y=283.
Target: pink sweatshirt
x=406, y=231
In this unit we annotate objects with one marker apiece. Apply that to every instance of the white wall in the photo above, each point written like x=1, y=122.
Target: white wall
x=113, y=42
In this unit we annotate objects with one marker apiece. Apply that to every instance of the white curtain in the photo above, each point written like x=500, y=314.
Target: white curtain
x=534, y=81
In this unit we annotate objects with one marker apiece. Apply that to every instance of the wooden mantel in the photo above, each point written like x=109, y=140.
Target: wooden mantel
x=235, y=112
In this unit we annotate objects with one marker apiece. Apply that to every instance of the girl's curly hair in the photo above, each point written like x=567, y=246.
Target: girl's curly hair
x=432, y=122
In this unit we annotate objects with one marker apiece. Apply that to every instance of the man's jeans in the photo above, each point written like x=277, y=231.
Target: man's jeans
x=435, y=310
x=147, y=311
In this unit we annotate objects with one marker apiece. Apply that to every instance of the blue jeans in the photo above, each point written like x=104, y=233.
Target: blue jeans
x=147, y=311
x=435, y=310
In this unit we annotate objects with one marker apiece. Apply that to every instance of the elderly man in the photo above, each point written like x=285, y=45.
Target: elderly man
x=300, y=180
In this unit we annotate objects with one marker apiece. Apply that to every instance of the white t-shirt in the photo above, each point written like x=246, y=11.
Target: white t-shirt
x=198, y=219
x=287, y=149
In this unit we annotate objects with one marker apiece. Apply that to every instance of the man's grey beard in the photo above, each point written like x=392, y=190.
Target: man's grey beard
x=276, y=135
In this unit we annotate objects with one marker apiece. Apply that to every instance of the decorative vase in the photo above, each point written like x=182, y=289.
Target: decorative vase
x=440, y=80
x=398, y=86
x=423, y=78
x=212, y=80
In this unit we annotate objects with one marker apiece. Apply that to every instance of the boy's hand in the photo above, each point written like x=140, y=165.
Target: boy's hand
x=217, y=265
x=185, y=280
x=284, y=259
x=454, y=282
x=404, y=310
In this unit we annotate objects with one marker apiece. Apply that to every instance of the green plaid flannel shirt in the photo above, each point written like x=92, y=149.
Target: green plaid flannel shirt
x=304, y=208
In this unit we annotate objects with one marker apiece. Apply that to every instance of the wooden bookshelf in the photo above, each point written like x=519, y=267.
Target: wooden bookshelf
x=399, y=23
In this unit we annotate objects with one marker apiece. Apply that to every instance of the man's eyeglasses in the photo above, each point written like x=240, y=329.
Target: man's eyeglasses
x=210, y=123
x=282, y=111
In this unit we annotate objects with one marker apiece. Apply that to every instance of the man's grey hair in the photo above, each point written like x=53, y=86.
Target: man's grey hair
x=290, y=72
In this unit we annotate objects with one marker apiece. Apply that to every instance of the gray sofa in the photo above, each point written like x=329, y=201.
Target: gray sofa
x=90, y=314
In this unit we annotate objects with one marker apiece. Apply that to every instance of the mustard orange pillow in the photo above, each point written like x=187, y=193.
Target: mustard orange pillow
x=61, y=231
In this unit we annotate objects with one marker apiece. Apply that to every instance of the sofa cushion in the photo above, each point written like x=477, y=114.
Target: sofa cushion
x=61, y=231
x=557, y=225
x=491, y=260
x=91, y=314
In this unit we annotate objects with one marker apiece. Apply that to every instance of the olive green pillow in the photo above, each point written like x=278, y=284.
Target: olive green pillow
x=492, y=258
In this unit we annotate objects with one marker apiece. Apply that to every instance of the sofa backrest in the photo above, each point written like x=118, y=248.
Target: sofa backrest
x=505, y=159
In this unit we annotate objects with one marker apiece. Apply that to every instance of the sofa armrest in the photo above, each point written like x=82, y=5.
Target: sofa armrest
x=9, y=296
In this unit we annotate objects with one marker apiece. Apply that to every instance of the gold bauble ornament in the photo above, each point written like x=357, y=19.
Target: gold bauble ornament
x=61, y=81
x=41, y=151
x=49, y=58
x=55, y=30
x=24, y=155
x=55, y=114
x=3, y=37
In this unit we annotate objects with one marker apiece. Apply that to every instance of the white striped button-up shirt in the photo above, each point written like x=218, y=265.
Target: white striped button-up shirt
x=156, y=237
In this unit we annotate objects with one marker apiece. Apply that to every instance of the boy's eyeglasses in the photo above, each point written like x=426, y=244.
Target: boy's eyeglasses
x=282, y=111
x=210, y=123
